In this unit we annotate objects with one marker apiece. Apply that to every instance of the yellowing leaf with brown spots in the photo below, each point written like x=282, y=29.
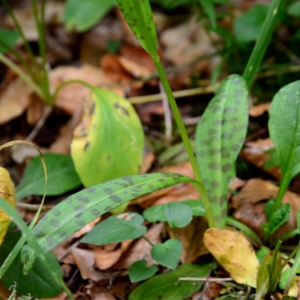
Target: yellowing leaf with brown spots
x=7, y=192
x=233, y=251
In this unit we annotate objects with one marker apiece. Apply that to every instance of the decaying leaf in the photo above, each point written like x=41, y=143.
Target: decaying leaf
x=234, y=252
x=7, y=192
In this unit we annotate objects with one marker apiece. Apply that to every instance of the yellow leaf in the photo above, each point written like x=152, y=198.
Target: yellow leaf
x=7, y=192
x=233, y=251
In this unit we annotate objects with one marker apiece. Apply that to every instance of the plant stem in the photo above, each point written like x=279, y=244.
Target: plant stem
x=185, y=139
x=262, y=42
x=147, y=240
x=23, y=75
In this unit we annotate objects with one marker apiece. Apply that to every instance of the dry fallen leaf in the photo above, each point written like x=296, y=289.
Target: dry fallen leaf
x=258, y=110
x=235, y=253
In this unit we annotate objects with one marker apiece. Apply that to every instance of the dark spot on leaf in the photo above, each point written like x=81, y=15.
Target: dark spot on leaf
x=108, y=191
x=95, y=212
x=115, y=198
x=215, y=184
x=123, y=185
x=108, y=158
x=91, y=190
x=235, y=147
x=226, y=167
x=50, y=241
x=108, y=208
x=79, y=215
x=40, y=234
x=87, y=144
x=226, y=135
x=212, y=132
x=201, y=153
x=124, y=110
x=80, y=223
x=229, y=110
x=216, y=109
x=160, y=180
x=79, y=208
x=92, y=108
x=56, y=212
x=54, y=223
x=83, y=199
x=214, y=166
x=212, y=152
x=63, y=235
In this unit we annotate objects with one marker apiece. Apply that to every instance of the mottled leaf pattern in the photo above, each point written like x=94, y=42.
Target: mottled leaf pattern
x=219, y=138
x=138, y=15
x=81, y=208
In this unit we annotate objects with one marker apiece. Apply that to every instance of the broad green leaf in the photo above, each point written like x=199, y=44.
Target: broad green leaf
x=284, y=128
x=178, y=214
x=44, y=285
x=219, y=138
x=279, y=217
x=157, y=213
x=293, y=290
x=233, y=251
x=139, y=271
x=167, y=287
x=9, y=38
x=109, y=142
x=82, y=17
x=138, y=15
x=247, y=26
x=81, y=208
x=62, y=176
x=168, y=253
x=126, y=226
x=294, y=9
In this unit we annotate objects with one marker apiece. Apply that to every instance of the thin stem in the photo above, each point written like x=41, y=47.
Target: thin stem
x=262, y=42
x=185, y=138
x=23, y=75
x=148, y=241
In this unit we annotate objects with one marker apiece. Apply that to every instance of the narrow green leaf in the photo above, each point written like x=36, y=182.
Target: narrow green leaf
x=168, y=253
x=178, y=214
x=167, y=287
x=62, y=176
x=139, y=271
x=109, y=142
x=219, y=138
x=279, y=217
x=44, y=285
x=138, y=15
x=8, y=37
x=82, y=17
x=208, y=7
x=81, y=208
x=127, y=226
x=284, y=128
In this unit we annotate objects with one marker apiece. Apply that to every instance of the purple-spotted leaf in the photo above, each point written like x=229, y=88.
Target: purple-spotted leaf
x=168, y=253
x=81, y=208
x=219, y=138
x=126, y=226
x=139, y=271
x=138, y=15
x=284, y=128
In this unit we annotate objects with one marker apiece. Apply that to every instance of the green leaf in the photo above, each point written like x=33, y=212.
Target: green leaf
x=138, y=15
x=127, y=226
x=157, y=213
x=247, y=26
x=81, y=208
x=208, y=7
x=294, y=9
x=178, y=214
x=284, y=128
x=219, y=138
x=279, y=217
x=109, y=142
x=167, y=287
x=62, y=176
x=82, y=17
x=44, y=285
x=168, y=253
x=139, y=271
x=8, y=37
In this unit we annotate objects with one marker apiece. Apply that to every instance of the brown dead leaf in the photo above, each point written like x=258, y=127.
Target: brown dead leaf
x=85, y=262
x=211, y=292
x=191, y=237
x=15, y=100
x=141, y=249
x=258, y=110
x=255, y=154
x=249, y=205
x=235, y=253
x=35, y=110
x=61, y=296
x=104, y=258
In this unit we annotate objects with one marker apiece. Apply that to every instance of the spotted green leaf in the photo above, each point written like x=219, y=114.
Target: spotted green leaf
x=81, y=208
x=284, y=128
x=109, y=142
x=219, y=138
x=138, y=15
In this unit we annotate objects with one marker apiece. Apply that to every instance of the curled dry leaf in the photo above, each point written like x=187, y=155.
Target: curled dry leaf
x=234, y=252
x=258, y=110
x=249, y=205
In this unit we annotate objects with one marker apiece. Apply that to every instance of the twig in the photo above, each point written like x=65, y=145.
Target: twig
x=167, y=113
